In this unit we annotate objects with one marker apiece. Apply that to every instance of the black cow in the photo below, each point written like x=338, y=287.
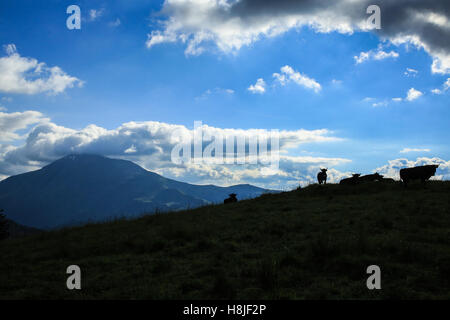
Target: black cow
x=422, y=173
x=351, y=181
x=232, y=198
x=322, y=176
x=371, y=177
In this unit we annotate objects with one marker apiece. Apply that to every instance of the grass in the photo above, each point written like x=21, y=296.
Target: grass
x=311, y=243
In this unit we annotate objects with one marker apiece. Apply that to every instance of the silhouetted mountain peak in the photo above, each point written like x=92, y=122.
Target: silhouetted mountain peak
x=89, y=187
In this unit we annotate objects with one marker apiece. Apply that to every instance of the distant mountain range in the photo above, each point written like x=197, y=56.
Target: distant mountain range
x=84, y=187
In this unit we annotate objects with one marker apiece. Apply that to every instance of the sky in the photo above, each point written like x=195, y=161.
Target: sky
x=342, y=94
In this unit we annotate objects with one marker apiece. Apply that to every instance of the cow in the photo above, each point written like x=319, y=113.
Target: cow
x=371, y=177
x=322, y=176
x=231, y=198
x=422, y=173
x=351, y=181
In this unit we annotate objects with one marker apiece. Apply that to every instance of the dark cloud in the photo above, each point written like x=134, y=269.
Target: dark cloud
x=236, y=23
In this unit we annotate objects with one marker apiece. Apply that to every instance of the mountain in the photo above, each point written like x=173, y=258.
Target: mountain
x=84, y=187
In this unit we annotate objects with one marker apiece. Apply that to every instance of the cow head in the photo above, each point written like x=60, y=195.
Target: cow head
x=435, y=166
x=324, y=170
x=378, y=176
x=232, y=195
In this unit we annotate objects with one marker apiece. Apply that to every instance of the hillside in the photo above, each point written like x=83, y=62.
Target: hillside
x=313, y=243
x=16, y=230
x=84, y=187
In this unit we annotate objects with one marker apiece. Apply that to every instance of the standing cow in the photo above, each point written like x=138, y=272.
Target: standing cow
x=422, y=173
x=322, y=176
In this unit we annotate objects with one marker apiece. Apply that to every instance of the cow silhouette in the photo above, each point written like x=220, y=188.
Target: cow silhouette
x=322, y=176
x=231, y=198
x=351, y=181
x=371, y=177
x=422, y=173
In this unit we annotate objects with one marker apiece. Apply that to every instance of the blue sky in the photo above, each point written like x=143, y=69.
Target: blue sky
x=119, y=78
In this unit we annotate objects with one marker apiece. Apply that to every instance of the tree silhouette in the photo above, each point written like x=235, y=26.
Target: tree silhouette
x=3, y=226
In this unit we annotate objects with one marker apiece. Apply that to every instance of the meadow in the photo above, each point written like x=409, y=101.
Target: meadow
x=310, y=243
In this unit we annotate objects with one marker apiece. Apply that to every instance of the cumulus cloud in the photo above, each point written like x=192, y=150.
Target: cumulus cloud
x=230, y=24
x=258, y=87
x=413, y=94
x=10, y=123
x=377, y=54
x=150, y=144
x=28, y=76
x=392, y=168
x=290, y=75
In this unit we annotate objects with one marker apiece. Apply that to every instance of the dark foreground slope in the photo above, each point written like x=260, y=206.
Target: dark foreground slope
x=312, y=243
x=84, y=187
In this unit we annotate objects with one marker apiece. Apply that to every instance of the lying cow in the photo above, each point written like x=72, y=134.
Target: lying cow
x=322, y=176
x=231, y=198
x=422, y=173
x=350, y=181
x=371, y=177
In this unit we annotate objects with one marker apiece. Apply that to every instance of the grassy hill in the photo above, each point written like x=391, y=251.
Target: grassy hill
x=313, y=243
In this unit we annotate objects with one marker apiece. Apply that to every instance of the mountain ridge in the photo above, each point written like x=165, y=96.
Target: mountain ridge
x=81, y=188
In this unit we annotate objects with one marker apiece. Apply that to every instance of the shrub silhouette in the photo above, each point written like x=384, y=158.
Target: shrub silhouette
x=231, y=198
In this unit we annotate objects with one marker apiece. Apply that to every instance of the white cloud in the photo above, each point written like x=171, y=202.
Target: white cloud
x=94, y=14
x=258, y=87
x=10, y=48
x=410, y=72
x=413, y=94
x=445, y=87
x=407, y=150
x=228, y=24
x=215, y=91
x=115, y=23
x=131, y=149
x=336, y=82
x=150, y=144
x=10, y=123
x=28, y=76
x=447, y=84
x=290, y=75
x=377, y=54
x=436, y=91
x=380, y=104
